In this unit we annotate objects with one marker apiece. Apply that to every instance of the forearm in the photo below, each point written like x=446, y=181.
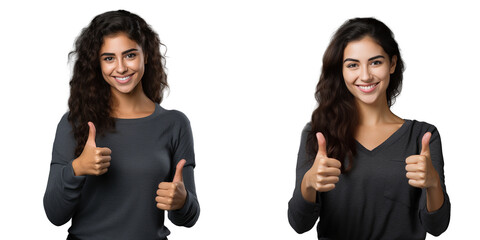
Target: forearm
x=303, y=207
x=76, y=168
x=309, y=194
x=435, y=196
x=302, y=214
x=435, y=208
x=187, y=215
x=62, y=194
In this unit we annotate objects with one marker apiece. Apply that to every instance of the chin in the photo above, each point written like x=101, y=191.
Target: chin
x=122, y=89
x=369, y=100
x=126, y=89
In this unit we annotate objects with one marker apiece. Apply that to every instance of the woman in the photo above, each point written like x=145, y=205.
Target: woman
x=120, y=159
x=365, y=172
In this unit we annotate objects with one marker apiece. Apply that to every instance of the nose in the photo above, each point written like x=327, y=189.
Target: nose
x=365, y=74
x=121, y=67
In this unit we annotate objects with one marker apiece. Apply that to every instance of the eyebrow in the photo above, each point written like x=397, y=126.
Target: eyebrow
x=370, y=59
x=123, y=53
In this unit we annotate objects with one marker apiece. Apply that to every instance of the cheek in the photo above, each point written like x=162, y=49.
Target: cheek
x=385, y=78
x=349, y=77
x=137, y=66
x=349, y=83
x=106, y=69
x=140, y=71
x=383, y=73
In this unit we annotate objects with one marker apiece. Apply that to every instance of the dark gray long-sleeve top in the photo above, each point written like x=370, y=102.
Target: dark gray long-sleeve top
x=374, y=200
x=120, y=204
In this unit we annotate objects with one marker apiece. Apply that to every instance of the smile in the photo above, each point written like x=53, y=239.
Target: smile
x=367, y=88
x=123, y=79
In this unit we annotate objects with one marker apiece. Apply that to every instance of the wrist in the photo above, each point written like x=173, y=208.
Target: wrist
x=305, y=182
x=435, y=196
x=436, y=182
x=308, y=192
x=76, y=167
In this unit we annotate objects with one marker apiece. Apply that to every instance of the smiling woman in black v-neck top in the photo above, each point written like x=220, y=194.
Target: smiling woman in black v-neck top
x=363, y=171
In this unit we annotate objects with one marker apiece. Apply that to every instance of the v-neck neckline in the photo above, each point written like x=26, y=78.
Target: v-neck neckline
x=391, y=139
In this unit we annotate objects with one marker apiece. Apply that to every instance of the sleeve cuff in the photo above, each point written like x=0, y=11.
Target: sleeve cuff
x=70, y=181
x=187, y=215
x=437, y=222
x=303, y=206
x=186, y=207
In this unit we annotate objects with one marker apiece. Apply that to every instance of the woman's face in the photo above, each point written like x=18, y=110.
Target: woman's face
x=366, y=70
x=122, y=62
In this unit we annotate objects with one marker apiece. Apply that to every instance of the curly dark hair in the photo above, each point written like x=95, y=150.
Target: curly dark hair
x=336, y=115
x=90, y=95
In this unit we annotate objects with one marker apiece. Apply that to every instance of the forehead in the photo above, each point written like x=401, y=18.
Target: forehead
x=118, y=43
x=364, y=48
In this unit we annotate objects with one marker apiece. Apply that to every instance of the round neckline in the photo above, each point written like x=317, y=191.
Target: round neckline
x=155, y=113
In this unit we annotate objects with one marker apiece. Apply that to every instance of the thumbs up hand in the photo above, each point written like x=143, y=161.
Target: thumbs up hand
x=324, y=173
x=420, y=170
x=172, y=195
x=93, y=160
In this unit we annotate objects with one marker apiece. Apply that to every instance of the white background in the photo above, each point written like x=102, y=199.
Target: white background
x=244, y=72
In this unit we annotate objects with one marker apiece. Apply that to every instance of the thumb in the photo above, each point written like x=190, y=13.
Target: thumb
x=322, y=145
x=179, y=172
x=426, y=144
x=91, y=134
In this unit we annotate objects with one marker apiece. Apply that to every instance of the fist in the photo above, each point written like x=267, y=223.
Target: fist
x=325, y=172
x=93, y=160
x=172, y=195
x=420, y=170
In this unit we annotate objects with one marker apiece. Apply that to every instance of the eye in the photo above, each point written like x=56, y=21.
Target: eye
x=376, y=62
x=131, y=55
x=352, y=65
x=108, y=59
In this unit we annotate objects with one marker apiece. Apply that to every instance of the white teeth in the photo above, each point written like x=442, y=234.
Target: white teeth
x=122, y=79
x=368, y=87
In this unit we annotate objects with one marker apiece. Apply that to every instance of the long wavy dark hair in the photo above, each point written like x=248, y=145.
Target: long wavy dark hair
x=336, y=115
x=90, y=95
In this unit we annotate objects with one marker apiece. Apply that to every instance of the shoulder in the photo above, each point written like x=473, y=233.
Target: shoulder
x=417, y=130
x=305, y=132
x=64, y=125
x=307, y=128
x=175, y=116
x=420, y=127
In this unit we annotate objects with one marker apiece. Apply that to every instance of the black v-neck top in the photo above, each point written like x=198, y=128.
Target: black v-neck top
x=374, y=199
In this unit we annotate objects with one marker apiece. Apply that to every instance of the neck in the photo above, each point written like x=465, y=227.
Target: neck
x=130, y=104
x=376, y=114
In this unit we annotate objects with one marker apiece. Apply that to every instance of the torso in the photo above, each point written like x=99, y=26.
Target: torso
x=374, y=200
x=144, y=153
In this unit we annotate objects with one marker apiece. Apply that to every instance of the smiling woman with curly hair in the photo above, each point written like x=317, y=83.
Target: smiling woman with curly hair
x=119, y=159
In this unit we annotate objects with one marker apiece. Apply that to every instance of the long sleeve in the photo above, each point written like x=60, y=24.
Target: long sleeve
x=63, y=188
x=183, y=149
x=302, y=215
x=435, y=222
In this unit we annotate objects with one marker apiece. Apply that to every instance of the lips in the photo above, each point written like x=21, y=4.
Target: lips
x=367, y=88
x=124, y=79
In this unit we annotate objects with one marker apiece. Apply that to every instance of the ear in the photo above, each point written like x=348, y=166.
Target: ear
x=146, y=59
x=393, y=64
